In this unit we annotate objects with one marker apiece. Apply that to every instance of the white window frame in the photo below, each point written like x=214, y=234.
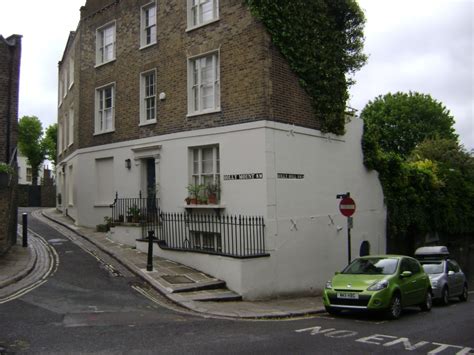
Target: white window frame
x=71, y=125
x=70, y=186
x=98, y=128
x=60, y=89
x=29, y=174
x=60, y=137
x=196, y=6
x=65, y=84
x=143, y=98
x=71, y=72
x=144, y=27
x=100, y=46
x=195, y=84
x=197, y=176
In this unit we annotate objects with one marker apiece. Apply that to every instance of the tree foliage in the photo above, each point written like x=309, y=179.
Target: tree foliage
x=30, y=132
x=399, y=122
x=427, y=177
x=322, y=40
x=50, y=143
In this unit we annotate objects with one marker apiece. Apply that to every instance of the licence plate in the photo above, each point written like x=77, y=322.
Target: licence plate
x=348, y=295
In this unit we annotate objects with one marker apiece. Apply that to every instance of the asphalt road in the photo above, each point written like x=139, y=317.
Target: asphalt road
x=91, y=304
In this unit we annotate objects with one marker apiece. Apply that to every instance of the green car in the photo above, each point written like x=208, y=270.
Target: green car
x=379, y=283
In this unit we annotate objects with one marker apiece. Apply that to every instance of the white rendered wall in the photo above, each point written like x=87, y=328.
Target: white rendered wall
x=303, y=224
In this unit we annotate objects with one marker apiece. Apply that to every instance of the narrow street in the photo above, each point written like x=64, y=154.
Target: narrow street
x=91, y=304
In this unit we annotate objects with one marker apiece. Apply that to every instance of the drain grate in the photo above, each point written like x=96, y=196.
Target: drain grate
x=177, y=279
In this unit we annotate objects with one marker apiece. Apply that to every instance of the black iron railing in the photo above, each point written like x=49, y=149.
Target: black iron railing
x=140, y=210
x=235, y=236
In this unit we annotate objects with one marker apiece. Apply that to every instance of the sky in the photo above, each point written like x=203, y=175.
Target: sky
x=425, y=46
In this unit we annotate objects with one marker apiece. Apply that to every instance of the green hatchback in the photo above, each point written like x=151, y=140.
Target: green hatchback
x=379, y=283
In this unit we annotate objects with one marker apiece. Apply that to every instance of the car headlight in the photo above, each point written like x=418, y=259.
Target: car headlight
x=329, y=285
x=379, y=285
x=434, y=283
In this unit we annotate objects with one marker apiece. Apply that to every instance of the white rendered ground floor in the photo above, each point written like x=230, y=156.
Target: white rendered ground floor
x=288, y=175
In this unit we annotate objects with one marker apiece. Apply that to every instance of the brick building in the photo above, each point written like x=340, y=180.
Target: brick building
x=154, y=96
x=10, y=55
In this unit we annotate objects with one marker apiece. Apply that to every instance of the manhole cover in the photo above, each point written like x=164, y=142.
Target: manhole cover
x=177, y=279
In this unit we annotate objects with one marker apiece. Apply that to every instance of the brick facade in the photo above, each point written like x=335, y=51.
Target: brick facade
x=256, y=82
x=10, y=54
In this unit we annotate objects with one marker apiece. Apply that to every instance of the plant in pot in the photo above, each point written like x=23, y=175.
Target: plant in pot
x=213, y=190
x=5, y=172
x=133, y=214
x=194, y=191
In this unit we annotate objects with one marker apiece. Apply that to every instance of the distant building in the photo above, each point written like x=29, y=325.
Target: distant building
x=154, y=96
x=25, y=171
x=10, y=55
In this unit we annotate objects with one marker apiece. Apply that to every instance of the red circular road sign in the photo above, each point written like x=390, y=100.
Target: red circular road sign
x=347, y=206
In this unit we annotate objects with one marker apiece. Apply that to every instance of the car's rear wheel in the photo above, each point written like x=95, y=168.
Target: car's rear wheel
x=428, y=302
x=464, y=295
x=333, y=311
x=395, y=308
x=445, y=296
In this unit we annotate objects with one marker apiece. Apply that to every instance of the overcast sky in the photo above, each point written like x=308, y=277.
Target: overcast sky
x=418, y=45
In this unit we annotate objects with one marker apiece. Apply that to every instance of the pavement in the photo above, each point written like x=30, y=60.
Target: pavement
x=181, y=284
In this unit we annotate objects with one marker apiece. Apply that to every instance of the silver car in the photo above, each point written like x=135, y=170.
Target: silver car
x=447, y=278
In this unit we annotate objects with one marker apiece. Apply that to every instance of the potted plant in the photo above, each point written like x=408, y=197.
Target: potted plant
x=133, y=214
x=109, y=222
x=213, y=190
x=5, y=172
x=194, y=192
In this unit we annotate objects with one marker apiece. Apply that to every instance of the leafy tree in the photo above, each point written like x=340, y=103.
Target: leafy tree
x=50, y=143
x=322, y=40
x=427, y=177
x=30, y=131
x=399, y=122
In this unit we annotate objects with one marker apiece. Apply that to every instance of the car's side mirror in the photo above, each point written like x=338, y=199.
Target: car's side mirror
x=405, y=274
x=451, y=272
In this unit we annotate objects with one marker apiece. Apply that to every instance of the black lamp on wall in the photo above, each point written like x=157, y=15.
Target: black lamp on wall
x=128, y=164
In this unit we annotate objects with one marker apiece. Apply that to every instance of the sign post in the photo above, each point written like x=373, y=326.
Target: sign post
x=347, y=207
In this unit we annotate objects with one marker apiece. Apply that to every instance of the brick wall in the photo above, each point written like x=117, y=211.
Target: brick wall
x=10, y=53
x=256, y=82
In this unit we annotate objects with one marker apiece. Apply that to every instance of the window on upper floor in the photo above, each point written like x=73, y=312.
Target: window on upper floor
x=29, y=174
x=148, y=25
x=71, y=125
x=60, y=137
x=105, y=109
x=71, y=72
x=65, y=133
x=60, y=89
x=65, y=82
x=203, y=84
x=105, y=43
x=148, y=97
x=201, y=12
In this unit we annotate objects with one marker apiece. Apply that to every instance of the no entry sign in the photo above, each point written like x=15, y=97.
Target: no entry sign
x=347, y=206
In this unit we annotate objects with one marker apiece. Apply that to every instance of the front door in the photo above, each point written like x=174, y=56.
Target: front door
x=150, y=178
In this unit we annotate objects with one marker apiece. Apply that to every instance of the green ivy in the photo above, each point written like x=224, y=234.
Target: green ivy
x=322, y=41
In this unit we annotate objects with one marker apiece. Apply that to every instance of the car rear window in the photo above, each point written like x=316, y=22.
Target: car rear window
x=433, y=267
x=372, y=266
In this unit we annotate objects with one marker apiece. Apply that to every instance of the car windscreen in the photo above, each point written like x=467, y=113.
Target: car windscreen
x=433, y=267
x=372, y=266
